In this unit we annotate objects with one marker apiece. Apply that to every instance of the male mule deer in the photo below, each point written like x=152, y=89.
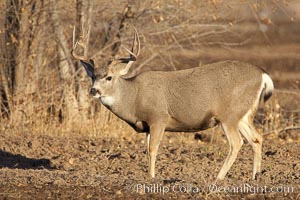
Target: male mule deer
x=226, y=93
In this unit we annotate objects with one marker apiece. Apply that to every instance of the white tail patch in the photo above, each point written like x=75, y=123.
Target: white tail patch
x=263, y=94
x=268, y=86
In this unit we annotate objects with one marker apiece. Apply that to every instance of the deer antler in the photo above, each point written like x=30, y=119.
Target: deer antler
x=83, y=43
x=132, y=55
x=87, y=63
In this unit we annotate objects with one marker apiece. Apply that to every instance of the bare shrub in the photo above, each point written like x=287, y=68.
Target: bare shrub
x=44, y=90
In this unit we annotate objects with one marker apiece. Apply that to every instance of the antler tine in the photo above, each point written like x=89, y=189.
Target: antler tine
x=138, y=40
x=133, y=42
x=85, y=36
x=134, y=56
x=73, y=37
x=88, y=36
x=84, y=58
x=74, y=47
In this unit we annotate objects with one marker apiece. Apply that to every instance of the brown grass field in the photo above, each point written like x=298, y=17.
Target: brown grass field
x=45, y=161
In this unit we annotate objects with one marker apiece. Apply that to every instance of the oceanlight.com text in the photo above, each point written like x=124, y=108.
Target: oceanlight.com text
x=211, y=188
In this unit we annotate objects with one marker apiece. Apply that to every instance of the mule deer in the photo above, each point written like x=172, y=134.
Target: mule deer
x=226, y=93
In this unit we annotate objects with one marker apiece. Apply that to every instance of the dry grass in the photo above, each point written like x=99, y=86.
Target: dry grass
x=175, y=34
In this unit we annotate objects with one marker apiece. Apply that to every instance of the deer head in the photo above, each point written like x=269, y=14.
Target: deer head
x=106, y=78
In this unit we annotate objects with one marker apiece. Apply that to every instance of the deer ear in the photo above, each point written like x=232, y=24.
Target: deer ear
x=126, y=69
x=89, y=68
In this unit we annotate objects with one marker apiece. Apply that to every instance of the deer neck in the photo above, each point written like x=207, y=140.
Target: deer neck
x=122, y=102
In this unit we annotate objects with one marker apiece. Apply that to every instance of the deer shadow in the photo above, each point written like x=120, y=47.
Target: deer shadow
x=17, y=161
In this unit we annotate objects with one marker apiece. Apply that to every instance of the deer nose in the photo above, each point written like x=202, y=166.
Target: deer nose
x=93, y=91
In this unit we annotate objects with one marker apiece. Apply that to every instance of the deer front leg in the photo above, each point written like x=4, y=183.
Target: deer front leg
x=153, y=139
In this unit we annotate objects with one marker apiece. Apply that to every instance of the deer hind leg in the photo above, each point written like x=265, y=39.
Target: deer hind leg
x=153, y=140
x=235, y=142
x=148, y=149
x=248, y=130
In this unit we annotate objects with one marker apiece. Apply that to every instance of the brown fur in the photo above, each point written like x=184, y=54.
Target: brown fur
x=188, y=100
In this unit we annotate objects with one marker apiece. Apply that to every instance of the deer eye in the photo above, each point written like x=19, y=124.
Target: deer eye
x=108, y=78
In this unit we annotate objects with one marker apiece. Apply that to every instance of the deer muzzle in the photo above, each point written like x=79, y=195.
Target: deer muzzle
x=94, y=92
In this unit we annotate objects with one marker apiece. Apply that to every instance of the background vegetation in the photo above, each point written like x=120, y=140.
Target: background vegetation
x=44, y=90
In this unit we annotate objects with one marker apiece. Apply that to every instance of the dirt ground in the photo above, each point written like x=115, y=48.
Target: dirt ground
x=72, y=166
x=81, y=167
